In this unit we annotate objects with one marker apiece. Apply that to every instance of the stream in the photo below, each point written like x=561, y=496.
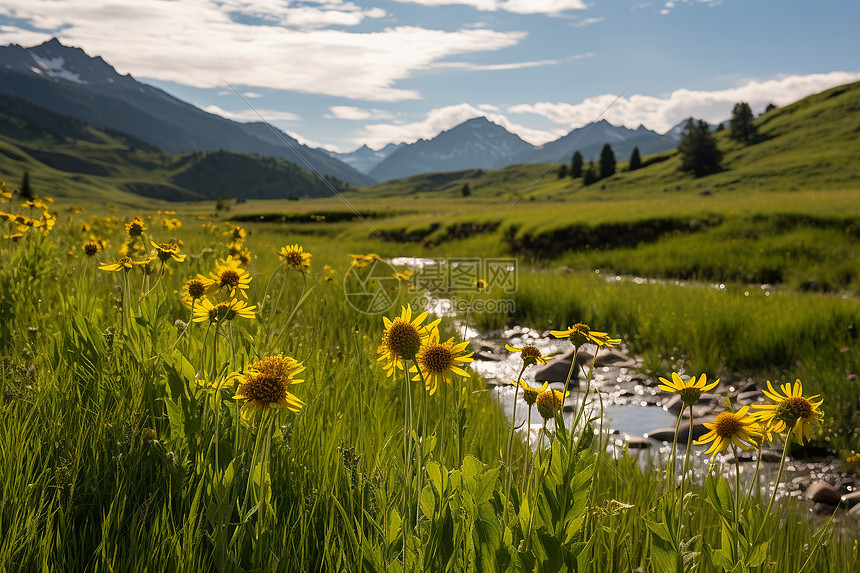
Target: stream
x=637, y=418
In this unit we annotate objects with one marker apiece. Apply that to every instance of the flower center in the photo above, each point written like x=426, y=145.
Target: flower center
x=222, y=311
x=196, y=289
x=403, y=339
x=548, y=403
x=263, y=387
x=794, y=408
x=91, y=249
x=530, y=352
x=229, y=278
x=726, y=424
x=436, y=358
x=294, y=259
x=579, y=333
x=134, y=229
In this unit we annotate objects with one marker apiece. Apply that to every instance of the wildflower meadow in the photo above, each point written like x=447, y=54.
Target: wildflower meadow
x=186, y=392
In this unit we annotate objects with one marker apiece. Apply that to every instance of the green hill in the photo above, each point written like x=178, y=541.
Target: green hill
x=67, y=158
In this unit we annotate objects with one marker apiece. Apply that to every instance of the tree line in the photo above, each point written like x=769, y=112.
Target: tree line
x=698, y=148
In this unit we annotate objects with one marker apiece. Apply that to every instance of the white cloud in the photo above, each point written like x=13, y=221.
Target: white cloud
x=661, y=114
x=357, y=113
x=516, y=6
x=252, y=95
x=493, y=67
x=250, y=115
x=203, y=44
x=587, y=22
x=442, y=119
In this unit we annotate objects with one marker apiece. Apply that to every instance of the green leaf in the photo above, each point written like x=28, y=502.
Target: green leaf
x=428, y=502
x=435, y=476
x=472, y=466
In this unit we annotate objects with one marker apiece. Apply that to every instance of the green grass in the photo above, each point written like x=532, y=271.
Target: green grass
x=86, y=487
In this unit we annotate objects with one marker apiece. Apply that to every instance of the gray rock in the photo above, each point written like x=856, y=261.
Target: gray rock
x=555, y=371
x=823, y=492
x=771, y=456
x=855, y=511
x=637, y=443
x=612, y=357
x=751, y=397
x=668, y=434
x=851, y=499
x=485, y=356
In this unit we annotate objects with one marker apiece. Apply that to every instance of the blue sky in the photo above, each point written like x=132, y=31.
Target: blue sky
x=338, y=74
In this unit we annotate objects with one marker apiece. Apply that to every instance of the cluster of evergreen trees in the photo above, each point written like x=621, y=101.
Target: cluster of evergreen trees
x=594, y=172
x=698, y=148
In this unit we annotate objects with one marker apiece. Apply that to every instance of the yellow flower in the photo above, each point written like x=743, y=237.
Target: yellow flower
x=135, y=227
x=171, y=223
x=690, y=390
x=531, y=355
x=404, y=276
x=295, y=257
x=402, y=338
x=731, y=428
x=361, y=261
x=580, y=334
x=550, y=402
x=91, y=248
x=235, y=248
x=195, y=289
x=481, y=284
x=530, y=394
x=439, y=360
x=266, y=384
x=167, y=251
x=243, y=256
x=236, y=232
x=123, y=263
x=792, y=412
x=4, y=195
x=223, y=311
x=229, y=275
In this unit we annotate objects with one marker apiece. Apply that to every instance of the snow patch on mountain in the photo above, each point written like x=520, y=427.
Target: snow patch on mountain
x=54, y=68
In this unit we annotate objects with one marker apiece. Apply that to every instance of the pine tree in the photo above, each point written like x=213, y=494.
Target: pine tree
x=590, y=174
x=465, y=190
x=698, y=149
x=741, y=126
x=635, y=160
x=607, y=161
x=26, y=191
x=576, y=165
x=562, y=171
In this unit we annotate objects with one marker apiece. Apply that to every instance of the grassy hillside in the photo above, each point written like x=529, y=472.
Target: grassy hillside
x=810, y=144
x=67, y=158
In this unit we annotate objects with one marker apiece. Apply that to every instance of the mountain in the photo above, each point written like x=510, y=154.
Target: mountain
x=68, y=81
x=481, y=144
x=364, y=158
x=65, y=157
x=475, y=144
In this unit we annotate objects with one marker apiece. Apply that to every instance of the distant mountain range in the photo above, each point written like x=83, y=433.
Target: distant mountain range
x=480, y=144
x=66, y=80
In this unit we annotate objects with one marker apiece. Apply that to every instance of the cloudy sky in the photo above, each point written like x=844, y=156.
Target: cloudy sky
x=339, y=73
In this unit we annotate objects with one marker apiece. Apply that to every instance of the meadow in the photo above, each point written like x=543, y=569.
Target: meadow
x=134, y=437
